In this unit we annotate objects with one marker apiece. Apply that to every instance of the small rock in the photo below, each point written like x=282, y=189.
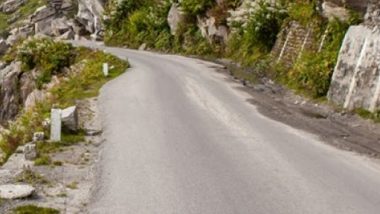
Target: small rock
x=38, y=136
x=11, y=191
x=30, y=151
x=142, y=47
x=92, y=132
x=70, y=118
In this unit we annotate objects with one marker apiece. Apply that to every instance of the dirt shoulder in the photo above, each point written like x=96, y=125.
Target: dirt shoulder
x=341, y=129
x=67, y=183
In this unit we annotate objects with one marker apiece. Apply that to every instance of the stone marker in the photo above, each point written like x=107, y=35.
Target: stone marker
x=56, y=125
x=105, y=69
x=11, y=191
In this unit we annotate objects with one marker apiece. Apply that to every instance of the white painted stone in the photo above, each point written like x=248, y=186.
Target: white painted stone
x=105, y=69
x=56, y=125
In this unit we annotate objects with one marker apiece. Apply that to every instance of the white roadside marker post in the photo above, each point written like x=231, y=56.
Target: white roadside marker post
x=105, y=69
x=56, y=125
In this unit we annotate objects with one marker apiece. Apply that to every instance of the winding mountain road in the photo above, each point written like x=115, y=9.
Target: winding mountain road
x=181, y=138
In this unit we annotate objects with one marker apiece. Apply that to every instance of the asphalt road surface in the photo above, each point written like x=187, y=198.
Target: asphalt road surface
x=181, y=138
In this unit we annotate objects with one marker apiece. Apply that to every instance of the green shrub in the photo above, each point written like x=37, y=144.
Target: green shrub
x=254, y=41
x=46, y=55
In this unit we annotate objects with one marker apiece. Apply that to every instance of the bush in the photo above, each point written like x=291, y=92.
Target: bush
x=46, y=55
x=254, y=41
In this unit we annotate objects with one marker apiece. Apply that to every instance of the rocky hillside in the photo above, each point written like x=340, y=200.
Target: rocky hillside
x=21, y=19
x=295, y=42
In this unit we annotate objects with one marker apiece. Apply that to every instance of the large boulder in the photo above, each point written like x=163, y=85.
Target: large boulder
x=12, y=191
x=70, y=119
x=33, y=98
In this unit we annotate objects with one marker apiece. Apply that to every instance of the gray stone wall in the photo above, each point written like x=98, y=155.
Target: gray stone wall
x=292, y=41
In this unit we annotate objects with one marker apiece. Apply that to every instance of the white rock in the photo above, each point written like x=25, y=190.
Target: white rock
x=70, y=118
x=11, y=191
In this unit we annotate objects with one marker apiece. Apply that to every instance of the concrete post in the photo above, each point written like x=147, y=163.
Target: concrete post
x=56, y=125
x=105, y=69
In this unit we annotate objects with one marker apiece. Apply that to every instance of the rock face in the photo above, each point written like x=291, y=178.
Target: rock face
x=90, y=15
x=15, y=191
x=356, y=79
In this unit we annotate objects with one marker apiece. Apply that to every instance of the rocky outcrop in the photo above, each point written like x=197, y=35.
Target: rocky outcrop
x=89, y=15
x=356, y=79
x=9, y=92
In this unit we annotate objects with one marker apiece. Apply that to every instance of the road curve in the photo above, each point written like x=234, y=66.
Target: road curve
x=181, y=138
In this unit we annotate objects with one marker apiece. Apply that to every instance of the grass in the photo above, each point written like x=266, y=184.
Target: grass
x=43, y=160
x=30, y=177
x=374, y=116
x=32, y=209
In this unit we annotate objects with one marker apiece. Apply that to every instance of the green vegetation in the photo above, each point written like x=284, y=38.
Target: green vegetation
x=32, y=209
x=84, y=81
x=45, y=55
x=30, y=177
x=250, y=43
x=375, y=116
